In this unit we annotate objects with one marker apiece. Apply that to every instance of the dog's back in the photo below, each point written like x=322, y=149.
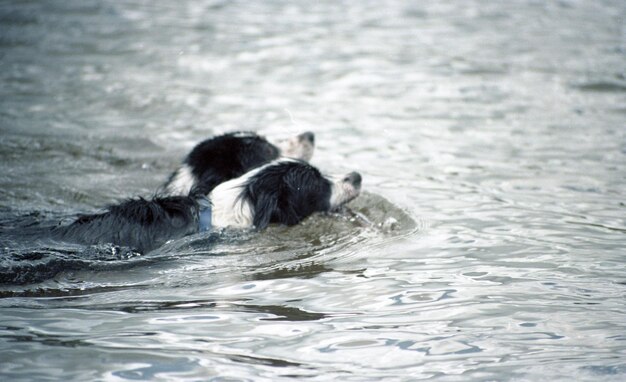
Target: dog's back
x=137, y=223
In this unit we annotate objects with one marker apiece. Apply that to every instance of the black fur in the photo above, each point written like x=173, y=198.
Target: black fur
x=221, y=158
x=287, y=193
x=137, y=223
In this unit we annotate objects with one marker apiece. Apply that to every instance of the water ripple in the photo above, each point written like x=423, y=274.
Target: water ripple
x=488, y=244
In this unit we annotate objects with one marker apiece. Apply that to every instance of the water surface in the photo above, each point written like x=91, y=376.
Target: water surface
x=489, y=244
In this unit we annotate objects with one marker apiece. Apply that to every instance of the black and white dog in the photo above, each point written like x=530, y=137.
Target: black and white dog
x=285, y=191
x=224, y=157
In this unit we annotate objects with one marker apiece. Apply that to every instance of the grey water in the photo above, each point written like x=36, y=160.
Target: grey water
x=489, y=242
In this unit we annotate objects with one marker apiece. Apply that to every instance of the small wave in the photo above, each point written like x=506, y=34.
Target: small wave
x=602, y=86
x=29, y=256
x=22, y=266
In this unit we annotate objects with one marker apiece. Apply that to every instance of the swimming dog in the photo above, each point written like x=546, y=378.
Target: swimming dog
x=285, y=191
x=224, y=157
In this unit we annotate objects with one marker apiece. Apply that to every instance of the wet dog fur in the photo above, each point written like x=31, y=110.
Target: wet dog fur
x=285, y=191
x=228, y=156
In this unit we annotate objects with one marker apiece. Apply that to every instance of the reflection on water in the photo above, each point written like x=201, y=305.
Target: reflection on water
x=489, y=243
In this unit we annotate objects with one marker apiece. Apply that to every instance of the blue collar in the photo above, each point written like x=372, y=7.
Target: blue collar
x=204, y=215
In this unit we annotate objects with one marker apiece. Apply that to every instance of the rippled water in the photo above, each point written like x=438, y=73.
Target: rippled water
x=490, y=244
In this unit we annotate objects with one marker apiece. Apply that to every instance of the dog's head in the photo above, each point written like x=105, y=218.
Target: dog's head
x=284, y=191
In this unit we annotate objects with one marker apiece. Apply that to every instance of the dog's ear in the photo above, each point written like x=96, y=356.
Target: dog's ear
x=264, y=208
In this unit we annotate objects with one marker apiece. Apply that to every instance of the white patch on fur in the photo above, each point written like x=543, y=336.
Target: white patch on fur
x=296, y=148
x=229, y=208
x=182, y=182
x=342, y=191
x=244, y=134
